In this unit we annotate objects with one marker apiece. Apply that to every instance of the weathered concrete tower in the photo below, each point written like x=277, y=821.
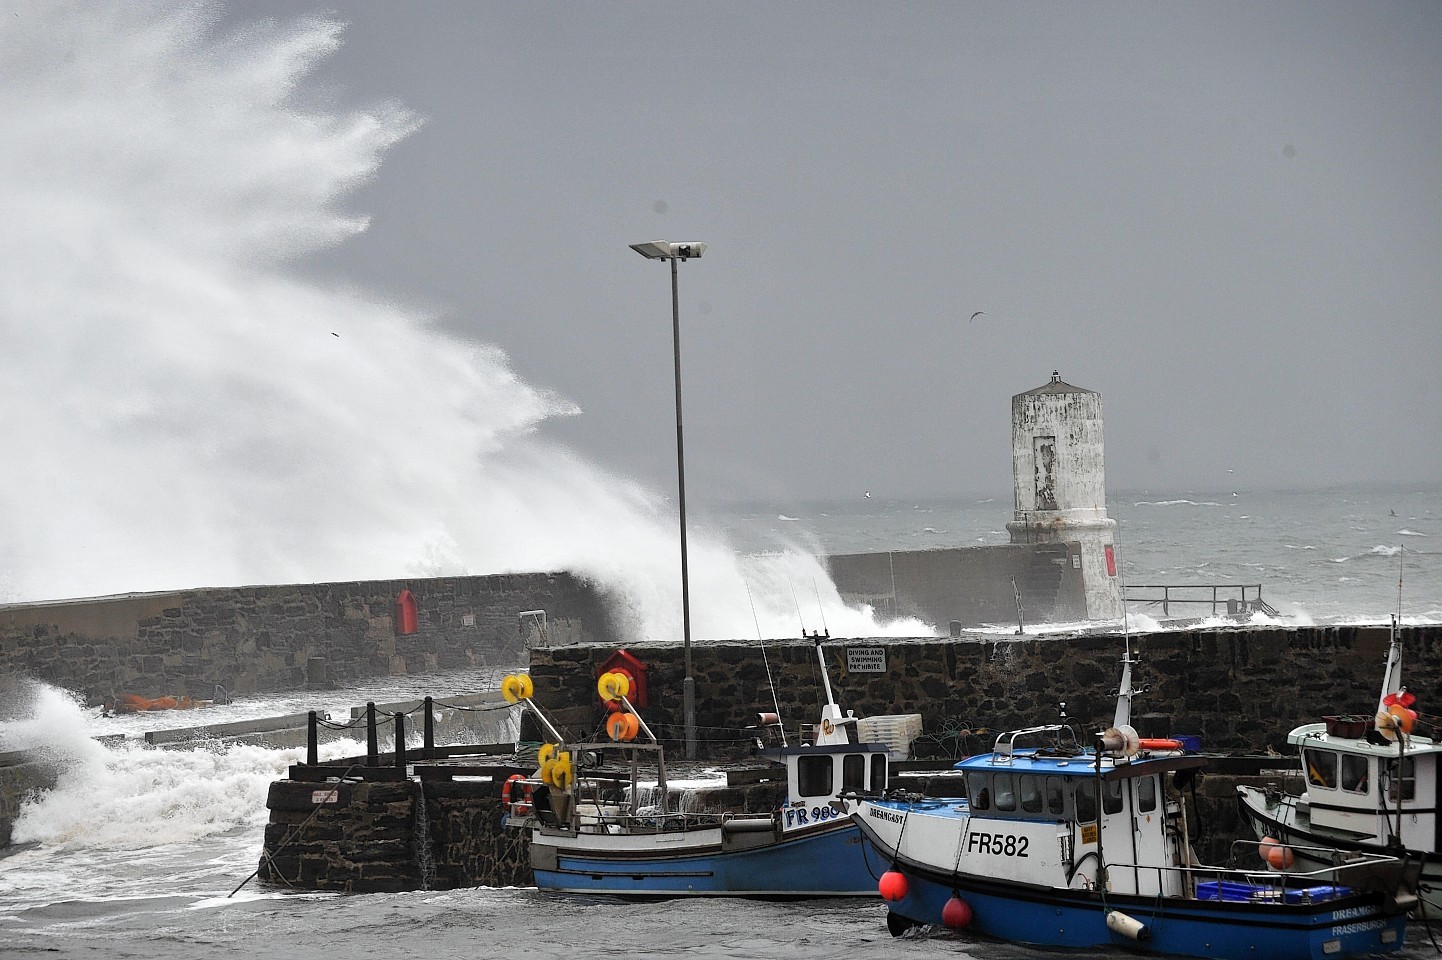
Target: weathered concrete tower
x=1060, y=481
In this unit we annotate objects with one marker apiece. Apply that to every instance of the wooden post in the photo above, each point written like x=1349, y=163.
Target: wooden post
x=371, y=749
x=400, y=742
x=430, y=731
x=312, y=750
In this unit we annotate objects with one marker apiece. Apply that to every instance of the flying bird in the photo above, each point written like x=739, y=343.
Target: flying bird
x=978, y=313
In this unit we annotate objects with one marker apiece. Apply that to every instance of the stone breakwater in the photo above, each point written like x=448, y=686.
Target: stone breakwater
x=264, y=639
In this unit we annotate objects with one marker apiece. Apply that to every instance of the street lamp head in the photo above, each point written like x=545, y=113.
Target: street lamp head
x=662, y=250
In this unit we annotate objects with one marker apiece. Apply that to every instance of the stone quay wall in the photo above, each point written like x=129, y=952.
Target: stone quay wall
x=1240, y=689
x=369, y=837
x=260, y=639
x=415, y=834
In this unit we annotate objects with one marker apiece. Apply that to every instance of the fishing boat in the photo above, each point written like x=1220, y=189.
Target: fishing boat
x=596, y=825
x=1371, y=784
x=1064, y=844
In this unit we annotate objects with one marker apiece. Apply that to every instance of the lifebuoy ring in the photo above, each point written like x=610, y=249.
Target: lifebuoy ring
x=506, y=788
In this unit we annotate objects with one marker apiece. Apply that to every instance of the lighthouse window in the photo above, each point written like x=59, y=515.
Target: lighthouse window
x=1321, y=768
x=853, y=772
x=813, y=776
x=1005, y=784
x=1354, y=773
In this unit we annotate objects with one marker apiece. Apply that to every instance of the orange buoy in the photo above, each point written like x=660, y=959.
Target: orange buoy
x=506, y=788
x=1277, y=854
x=956, y=915
x=893, y=886
x=1154, y=743
x=1405, y=717
x=623, y=726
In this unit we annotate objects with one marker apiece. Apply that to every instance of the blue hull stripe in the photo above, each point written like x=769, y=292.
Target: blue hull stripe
x=829, y=863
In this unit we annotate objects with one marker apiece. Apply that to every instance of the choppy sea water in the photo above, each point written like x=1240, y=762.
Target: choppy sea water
x=138, y=852
x=1321, y=556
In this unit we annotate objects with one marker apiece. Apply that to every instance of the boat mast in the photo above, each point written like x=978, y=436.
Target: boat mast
x=1125, y=691
x=830, y=731
x=1392, y=675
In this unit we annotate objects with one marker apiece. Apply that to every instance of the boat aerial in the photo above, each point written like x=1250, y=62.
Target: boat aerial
x=1371, y=784
x=590, y=832
x=1058, y=843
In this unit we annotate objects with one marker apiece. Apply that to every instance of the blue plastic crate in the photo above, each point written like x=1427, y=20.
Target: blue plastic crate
x=1326, y=891
x=1228, y=890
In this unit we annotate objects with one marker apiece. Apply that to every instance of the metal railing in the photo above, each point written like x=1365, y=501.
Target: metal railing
x=1233, y=599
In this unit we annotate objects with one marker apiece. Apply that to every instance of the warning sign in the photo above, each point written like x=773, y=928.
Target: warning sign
x=866, y=659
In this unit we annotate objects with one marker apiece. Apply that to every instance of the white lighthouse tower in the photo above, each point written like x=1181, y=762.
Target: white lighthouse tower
x=1059, y=475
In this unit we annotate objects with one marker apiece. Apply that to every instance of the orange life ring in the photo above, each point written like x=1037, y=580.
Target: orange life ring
x=1156, y=743
x=506, y=788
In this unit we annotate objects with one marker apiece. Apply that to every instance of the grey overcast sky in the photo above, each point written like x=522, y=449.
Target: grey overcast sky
x=1225, y=217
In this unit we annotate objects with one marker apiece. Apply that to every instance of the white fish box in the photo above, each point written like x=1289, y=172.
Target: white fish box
x=897, y=731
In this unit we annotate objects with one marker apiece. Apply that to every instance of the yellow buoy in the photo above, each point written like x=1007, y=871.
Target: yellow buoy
x=613, y=685
x=562, y=774
x=516, y=687
x=547, y=751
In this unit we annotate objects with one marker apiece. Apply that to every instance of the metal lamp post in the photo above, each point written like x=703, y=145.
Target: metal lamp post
x=662, y=250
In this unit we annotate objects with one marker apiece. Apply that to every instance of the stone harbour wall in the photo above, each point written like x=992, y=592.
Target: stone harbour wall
x=259, y=639
x=1240, y=689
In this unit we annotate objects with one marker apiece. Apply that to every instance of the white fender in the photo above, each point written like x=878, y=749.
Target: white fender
x=1119, y=922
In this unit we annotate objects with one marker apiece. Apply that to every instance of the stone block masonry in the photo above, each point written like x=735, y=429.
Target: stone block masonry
x=1241, y=689
x=262, y=639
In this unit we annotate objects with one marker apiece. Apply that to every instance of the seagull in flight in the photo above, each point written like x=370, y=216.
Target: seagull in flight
x=979, y=313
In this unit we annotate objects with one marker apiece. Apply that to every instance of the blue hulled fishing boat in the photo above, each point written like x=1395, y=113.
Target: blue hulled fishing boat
x=597, y=824
x=1059, y=843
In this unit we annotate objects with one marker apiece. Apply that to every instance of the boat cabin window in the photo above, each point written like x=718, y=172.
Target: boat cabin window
x=1084, y=800
x=1409, y=779
x=878, y=772
x=1321, y=768
x=1354, y=773
x=853, y=772
x=1055, y=796
x=1146, y=794
x=1112, y=796
x=813, y=776
x=1031, y=794
x=1005, y=786
x=979, y=791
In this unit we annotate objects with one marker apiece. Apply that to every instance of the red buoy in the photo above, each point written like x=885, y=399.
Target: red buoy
x=893, y=886
x=956, y=915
